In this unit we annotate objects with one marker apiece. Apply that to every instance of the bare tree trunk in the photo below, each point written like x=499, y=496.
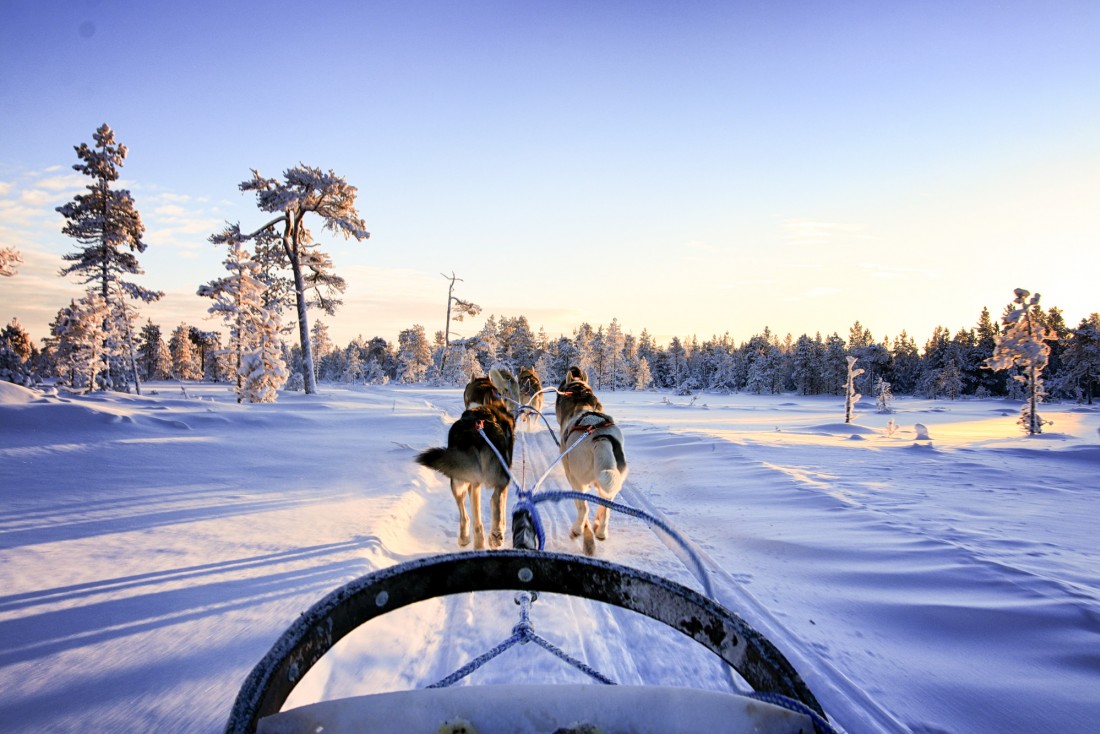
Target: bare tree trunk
x=447, y=323
x=303, y=330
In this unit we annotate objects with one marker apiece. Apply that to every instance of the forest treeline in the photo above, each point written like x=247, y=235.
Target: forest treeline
x=948, y=365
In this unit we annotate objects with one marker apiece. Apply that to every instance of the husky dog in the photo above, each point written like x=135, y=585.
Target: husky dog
x=565, y=405
x=530, y=393
x=598, y=459
x=469, y=462
x=481, y=391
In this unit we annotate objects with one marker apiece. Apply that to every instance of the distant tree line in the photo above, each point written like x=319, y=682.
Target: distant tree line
x=948, y=365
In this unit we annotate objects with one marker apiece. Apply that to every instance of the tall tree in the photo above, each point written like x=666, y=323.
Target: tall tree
x=305, y=190
x=108, y=228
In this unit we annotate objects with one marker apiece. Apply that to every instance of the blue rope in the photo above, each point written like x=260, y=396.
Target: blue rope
x=700, y=569
x=522, y=633
x=821, y=726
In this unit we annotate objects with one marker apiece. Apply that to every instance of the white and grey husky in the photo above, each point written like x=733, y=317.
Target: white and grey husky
x=592, y=448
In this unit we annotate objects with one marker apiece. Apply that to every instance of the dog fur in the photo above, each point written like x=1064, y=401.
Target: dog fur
x=480, y=391
x=470, y=463
x=597, y=461
x=530, y=393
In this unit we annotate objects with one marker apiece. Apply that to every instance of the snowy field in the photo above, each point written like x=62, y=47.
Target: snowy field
x=152, y=548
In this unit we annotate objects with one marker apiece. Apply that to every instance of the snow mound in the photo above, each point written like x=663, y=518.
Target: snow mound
x=12, y=394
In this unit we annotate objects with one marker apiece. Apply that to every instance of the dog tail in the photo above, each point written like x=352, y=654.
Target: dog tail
x=610, y=464
x=448, y=462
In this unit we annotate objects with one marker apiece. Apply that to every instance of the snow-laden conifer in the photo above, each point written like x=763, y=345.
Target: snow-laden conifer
x=263, y=368
x=79, y=334
x=1023, y=345
x=109, y=230
x=1082, y=359
x=16, y=349
x=884, y=396
x=239, y=299
x=414, y=355
x=302, y=191
x=185, y=363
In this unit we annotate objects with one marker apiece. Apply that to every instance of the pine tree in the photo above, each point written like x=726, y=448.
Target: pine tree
x=884, y=396
x=185, y=364
x=1023, y=345
x=107, y=225
x=15, y=354
x=80, y=334
x=1082, y=358
x=238, y=298
x=414, y=355
x=306, y=190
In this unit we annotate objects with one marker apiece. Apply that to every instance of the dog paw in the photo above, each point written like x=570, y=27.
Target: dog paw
x=496, y=539
x=589, y=542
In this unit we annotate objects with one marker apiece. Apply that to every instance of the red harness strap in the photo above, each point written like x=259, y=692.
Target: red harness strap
x=593, y=427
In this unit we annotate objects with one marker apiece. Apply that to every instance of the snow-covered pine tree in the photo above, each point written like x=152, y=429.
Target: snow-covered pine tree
x=302, y=191
x=80, y=334
x=1082, y=358
x=108, y=228
x=321, y=343
x=1023, y=344
x=185, y=363
x=263, y=367
x=239, y=299
x=414, y=355
x=851, y=397
x=15, y=354
x=9, y=258
x=883, y=396
x=154, y=359
x=644, y=379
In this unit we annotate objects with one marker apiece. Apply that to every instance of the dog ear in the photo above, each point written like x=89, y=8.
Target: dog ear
x=502, y=380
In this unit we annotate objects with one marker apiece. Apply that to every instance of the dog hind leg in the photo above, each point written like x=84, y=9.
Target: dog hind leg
x=500, y=496
x=460, y=489
x=475, y=510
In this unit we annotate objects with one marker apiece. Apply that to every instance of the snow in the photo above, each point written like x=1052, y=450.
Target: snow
x=153, y=548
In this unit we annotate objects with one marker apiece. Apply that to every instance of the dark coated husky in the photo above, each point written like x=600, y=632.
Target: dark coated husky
x=530, y=393
x=592, y=452
x=480, y=391
x=469, y=462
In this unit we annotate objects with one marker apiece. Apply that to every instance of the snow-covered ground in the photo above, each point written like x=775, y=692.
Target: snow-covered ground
x=152, y=548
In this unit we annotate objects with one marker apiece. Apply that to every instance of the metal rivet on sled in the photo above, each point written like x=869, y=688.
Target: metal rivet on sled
x=525, y=575
x=382, y=598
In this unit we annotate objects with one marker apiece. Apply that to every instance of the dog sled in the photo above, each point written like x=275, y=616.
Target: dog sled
x=784, y=704
x=779, y=701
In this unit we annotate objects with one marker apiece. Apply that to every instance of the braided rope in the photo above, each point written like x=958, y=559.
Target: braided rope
x=522, y=633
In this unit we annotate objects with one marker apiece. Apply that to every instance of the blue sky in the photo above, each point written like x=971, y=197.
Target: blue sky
x=687, y=168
